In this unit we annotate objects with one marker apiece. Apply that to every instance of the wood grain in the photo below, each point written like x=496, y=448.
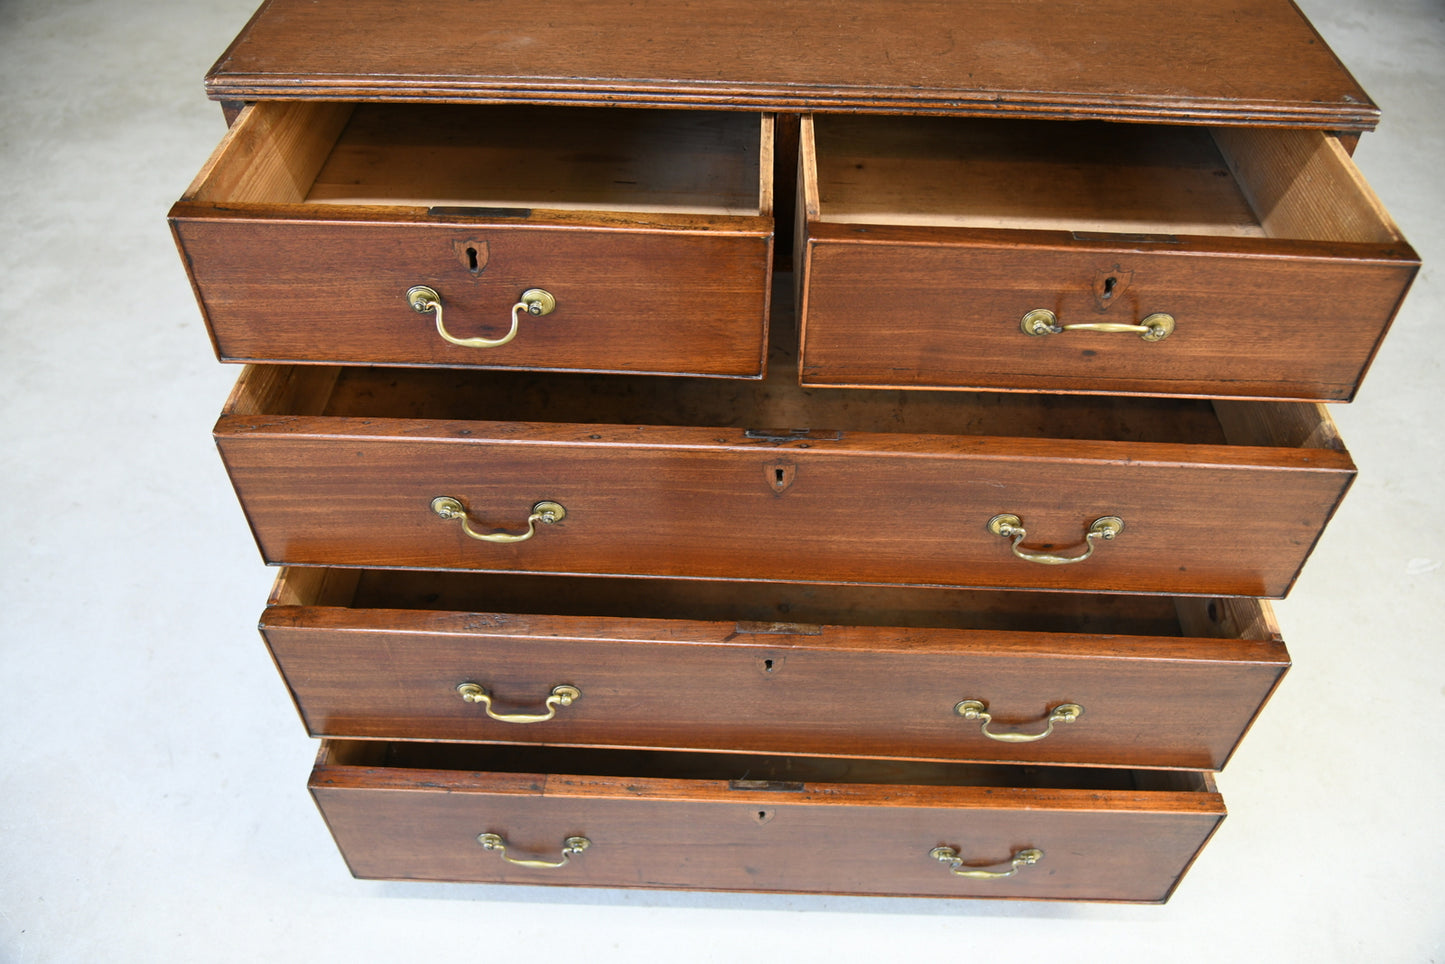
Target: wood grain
x=303, y=256
x=928, y=239
x=559, y=158
x=763, y=607
x=898, y=493
x=1302, y=184
x=1256, y=62
x=991, y=173
x=660, y=299
x=434, y=155
x=1308, y=426
x=1125, y=837
x=270, y=153
x=866, y=689
x=803, y=548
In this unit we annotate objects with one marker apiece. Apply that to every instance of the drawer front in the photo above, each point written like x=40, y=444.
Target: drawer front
x=913, y=308
x=839, y=508
x=957, y=254
x=661, y=301
x=647, y=233
x=1092, y=844
x=1103, y=697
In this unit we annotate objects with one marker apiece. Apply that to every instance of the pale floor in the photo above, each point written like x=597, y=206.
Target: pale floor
x=152, y=801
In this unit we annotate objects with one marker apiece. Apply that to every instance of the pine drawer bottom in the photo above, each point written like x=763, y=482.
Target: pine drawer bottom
x=541, y=815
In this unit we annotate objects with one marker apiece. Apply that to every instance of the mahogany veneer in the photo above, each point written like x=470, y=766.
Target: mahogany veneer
x=1249, y=62
x=740, y=654
x=341, y=467
x=929, y=239
x=750, y=823
x=774, y=668
x=652, y=229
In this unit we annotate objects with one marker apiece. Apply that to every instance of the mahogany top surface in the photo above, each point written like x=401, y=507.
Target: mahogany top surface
x=1205, y=61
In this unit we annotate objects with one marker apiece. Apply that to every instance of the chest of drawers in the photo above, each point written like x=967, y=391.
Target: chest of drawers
x=720, y=451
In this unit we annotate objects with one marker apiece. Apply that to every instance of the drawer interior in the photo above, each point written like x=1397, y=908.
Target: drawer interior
x=506, y=158
x=776, y=408
x=748, y=771
x=777, y=603
x=1088, y=176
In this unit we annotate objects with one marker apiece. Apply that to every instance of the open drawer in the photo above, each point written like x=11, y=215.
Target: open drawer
x=764, y=481
x=648, y=234
x=1069, y=678
x=541, y=815
x=999, y=254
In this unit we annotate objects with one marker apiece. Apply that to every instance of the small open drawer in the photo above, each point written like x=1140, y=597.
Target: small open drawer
x=648, y=234
x=543, y=815
x=1005, y=254
x=708, y=479
x=1137, y=681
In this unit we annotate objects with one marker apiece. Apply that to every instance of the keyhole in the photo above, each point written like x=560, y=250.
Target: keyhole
x=472, y=259
x=767, y=666
x=779, y=476
x=1109, y=284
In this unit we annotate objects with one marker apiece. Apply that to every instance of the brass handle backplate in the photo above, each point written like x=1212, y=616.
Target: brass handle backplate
x=546, y=513
x=1042, y=321
x=1011, y=527
x=958, y=868
x=562, y=695
x=534, y=301
x=978, y=710
x=498, y=845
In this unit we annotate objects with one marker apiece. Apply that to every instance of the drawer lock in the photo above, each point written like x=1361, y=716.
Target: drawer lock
x=1011, y=527
x=956, y=866
x=546, y=513
x=977, y=710
x=1042, y=321
x=498, y=845
x=534, y=301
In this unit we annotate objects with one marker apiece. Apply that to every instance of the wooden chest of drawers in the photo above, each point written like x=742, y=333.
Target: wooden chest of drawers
x=619, y=554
